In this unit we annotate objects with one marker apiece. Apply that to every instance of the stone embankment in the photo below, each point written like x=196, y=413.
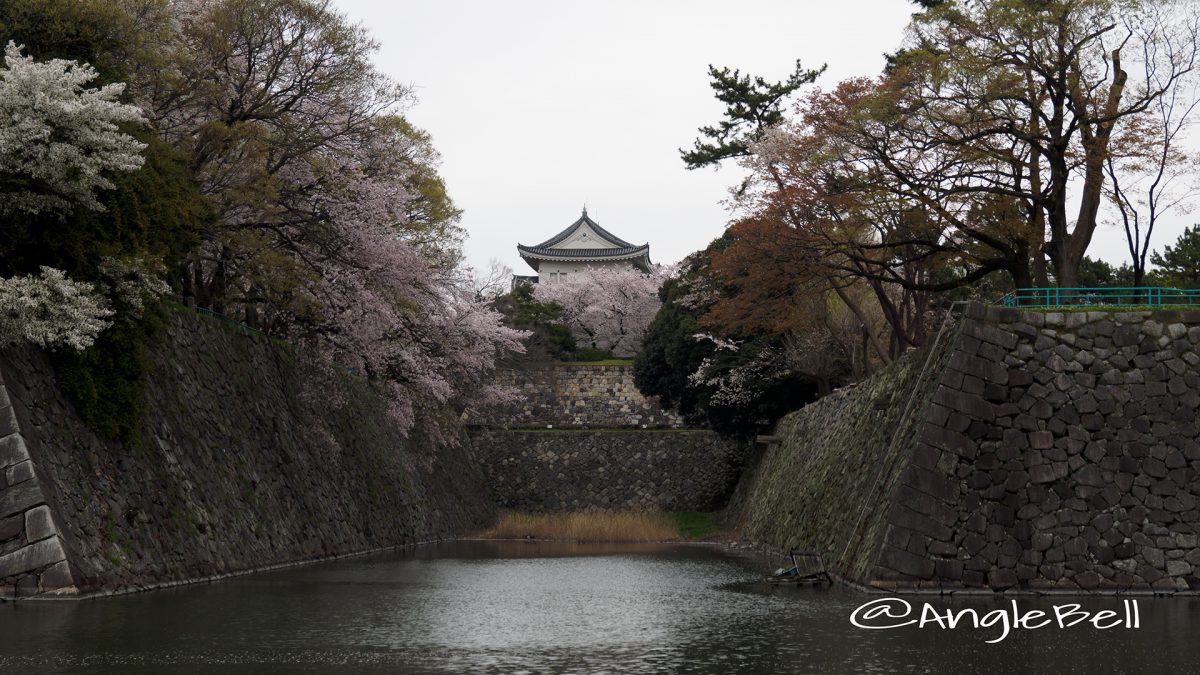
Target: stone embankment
x=578, y=396
x=584, y=437
x=628, y=469
x=1027, y=450
x=243, y=463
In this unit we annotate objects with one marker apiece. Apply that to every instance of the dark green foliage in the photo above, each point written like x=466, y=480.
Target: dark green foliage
x=106, y=382
x=1179, y=265
x=752, y=105
x=432, y=224
x=98, y=32
x=775, y=393
x=550, y=340
x=671, y=353
x=694, y=524
x=529, y=311
x=593, y=354
x=1099, y=274
x=154, y=212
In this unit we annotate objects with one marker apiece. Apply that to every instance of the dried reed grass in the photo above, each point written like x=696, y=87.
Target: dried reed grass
x=589, y=526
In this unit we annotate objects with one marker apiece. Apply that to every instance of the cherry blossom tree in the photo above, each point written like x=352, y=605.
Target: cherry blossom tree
x=324, y=222
x=493, y=282
x=59, y=139
x=398, y=319
x=606, y=307
x=334, y=230
x=50, y=310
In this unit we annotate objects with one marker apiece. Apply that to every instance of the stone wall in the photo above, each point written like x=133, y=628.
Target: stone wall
x=32, y=558
x=828, y=486
x=1039, y=451
x=243, y=462
x=579, y=396
x=578, y=470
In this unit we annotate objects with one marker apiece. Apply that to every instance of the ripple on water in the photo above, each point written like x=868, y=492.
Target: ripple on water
x=516, y=607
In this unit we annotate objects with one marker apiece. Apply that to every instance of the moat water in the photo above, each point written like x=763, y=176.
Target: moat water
x=510, y=607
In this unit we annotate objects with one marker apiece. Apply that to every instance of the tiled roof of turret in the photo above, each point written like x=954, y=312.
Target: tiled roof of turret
x=604, y=234
x=616, y=249
x=583, y=252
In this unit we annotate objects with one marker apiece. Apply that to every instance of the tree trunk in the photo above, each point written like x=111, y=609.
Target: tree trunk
x=1037, y=213
x=862, y=319
x=1095, y=141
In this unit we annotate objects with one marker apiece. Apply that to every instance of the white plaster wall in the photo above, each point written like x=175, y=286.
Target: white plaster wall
x=550, y=271
x=584, y=237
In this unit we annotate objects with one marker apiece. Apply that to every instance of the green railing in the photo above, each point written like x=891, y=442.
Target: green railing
x=1132, y=296
x=232, y=323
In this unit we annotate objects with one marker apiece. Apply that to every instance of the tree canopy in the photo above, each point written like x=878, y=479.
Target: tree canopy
x=987, y=155
x=1179, y=265
x=245, y=155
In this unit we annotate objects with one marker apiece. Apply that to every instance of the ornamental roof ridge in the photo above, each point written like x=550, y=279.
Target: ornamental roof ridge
x=582, y=252
x=604, y=234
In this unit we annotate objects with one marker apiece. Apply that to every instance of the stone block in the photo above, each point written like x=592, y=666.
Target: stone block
x=18, y=498
x=906, y=563
x=1089, y=475
x=917, y=501
x=1126, y=335
x=32, y=557
x=951, y=570
x=982, y=368
x=11, y=527
x=967, y=404
x=19, y=473
x=12, y=450
x=1017, y=480
x=905, y=518
x=1041, y=440
x=8, y=419
x=38, y=524
x=1154, y=468
x=57, y=578
x=931, y=483
x=1178, y=568
x=926, y=456
x=26, y=586
x=942, y=549
x=1002, y=578
x=950, y=440
x=938, y=415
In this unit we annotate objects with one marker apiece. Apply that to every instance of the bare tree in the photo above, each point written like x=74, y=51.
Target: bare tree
x=489, y=284
x=1153, y=172
x=1022, y=99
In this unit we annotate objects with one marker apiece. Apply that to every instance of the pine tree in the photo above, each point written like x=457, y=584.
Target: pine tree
x=752, y=105
x=1180, y=265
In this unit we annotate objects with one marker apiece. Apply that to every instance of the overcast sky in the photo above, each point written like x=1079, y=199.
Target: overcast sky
x=538, y=106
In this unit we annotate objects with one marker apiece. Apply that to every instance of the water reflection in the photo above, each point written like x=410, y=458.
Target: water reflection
x=517, y=606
